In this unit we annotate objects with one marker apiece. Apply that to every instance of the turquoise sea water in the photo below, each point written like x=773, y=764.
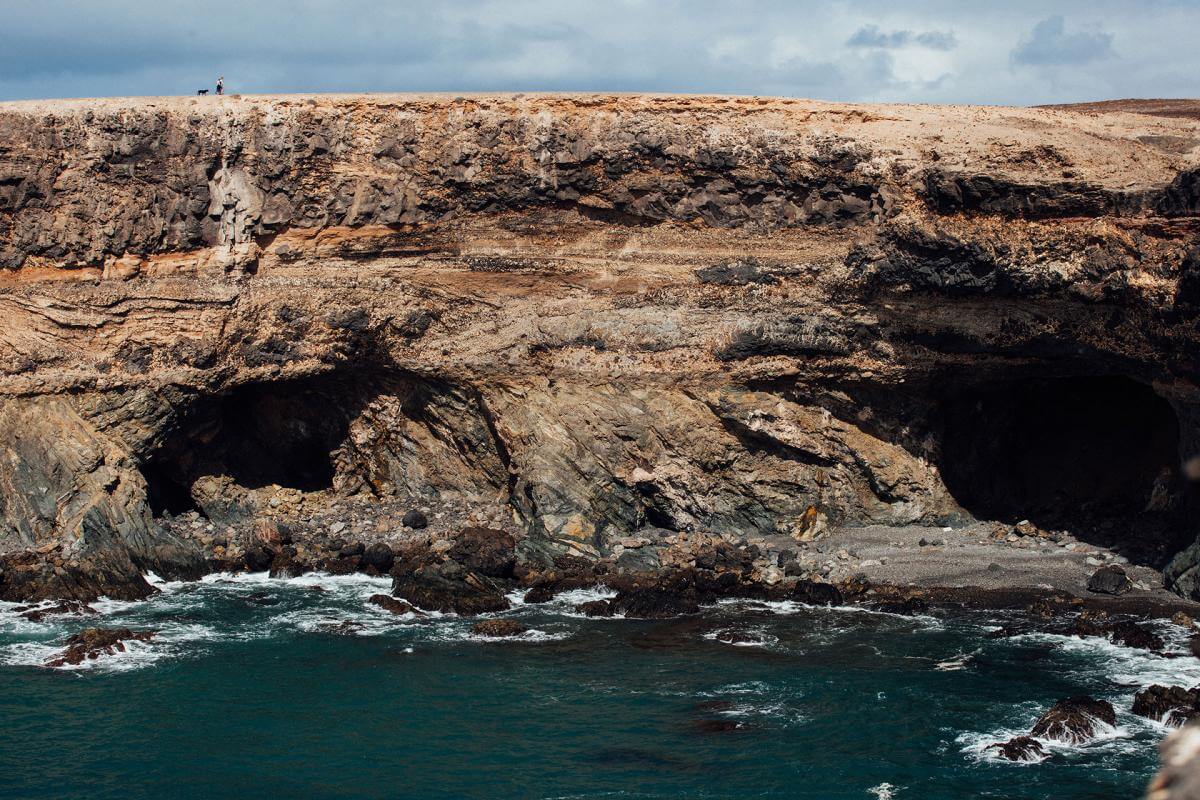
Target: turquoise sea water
x=248, y=693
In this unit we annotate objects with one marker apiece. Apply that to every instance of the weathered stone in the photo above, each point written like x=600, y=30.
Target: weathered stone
x=1110, y=580
x=1074, y=720
x=391, y=604
x=92, y=643
x=1020, y=748
x=1171, y=705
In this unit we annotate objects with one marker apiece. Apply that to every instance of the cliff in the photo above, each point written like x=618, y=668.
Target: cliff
x=594, y=314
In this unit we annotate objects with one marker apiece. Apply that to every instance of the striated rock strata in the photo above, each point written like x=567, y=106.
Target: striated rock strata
x=592, y=315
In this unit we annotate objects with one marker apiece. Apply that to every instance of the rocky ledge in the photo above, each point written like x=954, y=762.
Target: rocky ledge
x=595, y=323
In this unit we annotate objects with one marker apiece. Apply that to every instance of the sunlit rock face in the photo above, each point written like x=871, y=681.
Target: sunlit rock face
x=602, y=313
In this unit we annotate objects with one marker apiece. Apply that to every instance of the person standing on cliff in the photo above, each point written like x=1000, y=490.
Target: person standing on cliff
x=221, y=85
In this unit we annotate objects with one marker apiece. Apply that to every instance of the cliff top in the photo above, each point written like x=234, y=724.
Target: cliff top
x=1113, y=145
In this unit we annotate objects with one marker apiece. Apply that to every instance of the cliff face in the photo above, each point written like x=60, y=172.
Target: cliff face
x=596, y=313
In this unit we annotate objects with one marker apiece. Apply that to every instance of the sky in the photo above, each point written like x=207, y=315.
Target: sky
x=1016, y=52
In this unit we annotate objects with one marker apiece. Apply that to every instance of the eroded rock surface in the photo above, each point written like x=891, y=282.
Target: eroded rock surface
x=580, y=318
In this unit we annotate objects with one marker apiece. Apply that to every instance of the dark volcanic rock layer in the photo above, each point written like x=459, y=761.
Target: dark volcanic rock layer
x=599, y=313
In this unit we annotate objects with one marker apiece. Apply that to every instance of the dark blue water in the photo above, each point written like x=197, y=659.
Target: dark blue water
x=246, y=693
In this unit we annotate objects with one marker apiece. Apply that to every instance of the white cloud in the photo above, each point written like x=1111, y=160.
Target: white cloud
x=924, y=50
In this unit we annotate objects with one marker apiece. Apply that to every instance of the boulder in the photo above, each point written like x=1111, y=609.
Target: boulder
x=1020, y=748
x=1074, y=720
x=485, y=551
x=351, y=550
x=497, y=628
x=414, y=519
x=817, y=594
x=91, y=643
x=539, y=594
x=437, y=588
x=1110, y=579
x=1171, y=705
x=655, y=603
x=906, y=607
x=389, y=603
x=379, y=556
x=269, y=534
x=596, y=608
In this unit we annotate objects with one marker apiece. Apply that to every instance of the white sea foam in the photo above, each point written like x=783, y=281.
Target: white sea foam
x=959, y=661
x=1126, y=666
x=531, y=635
x=756, y=638
x=884, y=791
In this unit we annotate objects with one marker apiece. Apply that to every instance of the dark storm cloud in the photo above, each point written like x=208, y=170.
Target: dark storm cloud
x=872, y=36
x=1050, y=43
x=922, y=50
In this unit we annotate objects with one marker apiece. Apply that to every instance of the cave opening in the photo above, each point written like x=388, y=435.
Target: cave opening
x=282, y=433
x=1072, y=453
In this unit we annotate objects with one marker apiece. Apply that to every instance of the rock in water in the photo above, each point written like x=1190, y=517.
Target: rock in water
x=596, y=608
x=388, y=603
x=538, y=594
x=91, y=643
x=1110, y=580
x=817, y=594
x=258, y=558
x=1074, y=720
x=498, y=628
x=1020, y=748
x=1171, y=705
x=444, y=588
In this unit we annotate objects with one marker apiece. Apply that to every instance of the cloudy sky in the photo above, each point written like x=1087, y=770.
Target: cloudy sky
x=977, y=51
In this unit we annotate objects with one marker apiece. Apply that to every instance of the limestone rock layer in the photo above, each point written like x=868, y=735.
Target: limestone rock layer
x=599, y=312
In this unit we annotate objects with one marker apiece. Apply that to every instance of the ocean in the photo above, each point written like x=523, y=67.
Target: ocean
x=262, y=688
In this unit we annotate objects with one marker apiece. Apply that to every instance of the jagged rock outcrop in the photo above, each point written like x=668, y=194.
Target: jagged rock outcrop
x=599, y=313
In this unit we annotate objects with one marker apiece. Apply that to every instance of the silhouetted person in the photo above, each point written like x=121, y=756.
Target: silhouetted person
x=221, y=85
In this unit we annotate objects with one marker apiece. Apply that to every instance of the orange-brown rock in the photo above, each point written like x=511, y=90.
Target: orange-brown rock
x=598, y=312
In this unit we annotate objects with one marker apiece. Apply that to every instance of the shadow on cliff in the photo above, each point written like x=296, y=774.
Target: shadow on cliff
x=1096, y=456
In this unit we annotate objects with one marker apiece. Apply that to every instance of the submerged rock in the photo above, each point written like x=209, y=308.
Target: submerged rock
x=1120, y=631
x=498, y=628
x=66, y=607
x=91, y=643
x=388, y=603
x=1075, y=720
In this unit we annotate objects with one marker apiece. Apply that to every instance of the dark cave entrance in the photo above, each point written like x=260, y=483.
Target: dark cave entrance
x=282, y=433
x=1058, y=451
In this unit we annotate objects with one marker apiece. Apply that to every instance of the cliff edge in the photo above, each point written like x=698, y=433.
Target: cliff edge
x=587, y=316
